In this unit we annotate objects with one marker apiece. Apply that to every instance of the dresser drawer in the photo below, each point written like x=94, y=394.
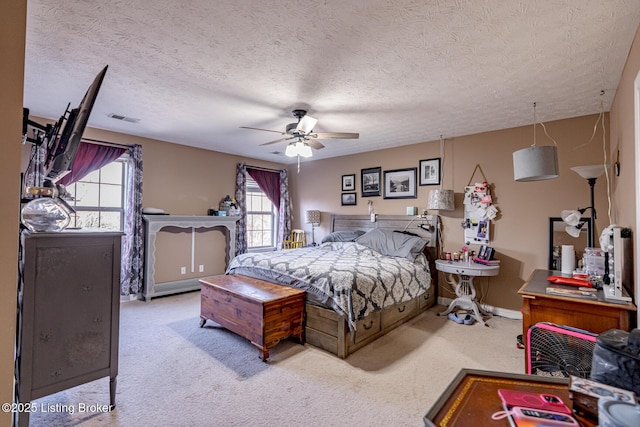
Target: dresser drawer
x=398, y=312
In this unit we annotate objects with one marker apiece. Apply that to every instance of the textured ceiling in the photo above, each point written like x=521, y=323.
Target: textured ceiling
x=396, y=71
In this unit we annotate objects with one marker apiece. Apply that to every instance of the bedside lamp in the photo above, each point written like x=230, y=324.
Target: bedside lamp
x=441, y=200
x=313, y=218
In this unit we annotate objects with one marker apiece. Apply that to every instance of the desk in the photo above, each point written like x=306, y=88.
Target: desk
x=465, y=291
x=472, y=397
x=593, y=315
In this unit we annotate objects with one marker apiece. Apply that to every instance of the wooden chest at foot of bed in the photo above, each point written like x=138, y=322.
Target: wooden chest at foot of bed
x=262, y=312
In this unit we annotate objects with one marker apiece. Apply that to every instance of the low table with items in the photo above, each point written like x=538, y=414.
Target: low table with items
x=472, y=398
x=262, y=312
x=465, y=291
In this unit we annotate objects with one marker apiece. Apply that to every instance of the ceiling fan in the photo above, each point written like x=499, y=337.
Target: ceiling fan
x=301, y=136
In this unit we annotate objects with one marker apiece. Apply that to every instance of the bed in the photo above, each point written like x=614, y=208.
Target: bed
x=355, y=294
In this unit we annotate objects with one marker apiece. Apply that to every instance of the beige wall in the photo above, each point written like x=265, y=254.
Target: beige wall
x=623, y=138
x=179, y=179
x=520, y=235
x=12, y=41
x=188, y=181
x=182, y=180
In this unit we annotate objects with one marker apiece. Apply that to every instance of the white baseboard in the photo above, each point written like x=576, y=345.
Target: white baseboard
x=498, y=311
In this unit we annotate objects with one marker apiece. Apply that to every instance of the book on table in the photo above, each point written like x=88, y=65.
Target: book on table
x=486, y=261
x=571, y=291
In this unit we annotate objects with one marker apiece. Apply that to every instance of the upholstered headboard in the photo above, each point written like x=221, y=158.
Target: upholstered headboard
x=387, y=222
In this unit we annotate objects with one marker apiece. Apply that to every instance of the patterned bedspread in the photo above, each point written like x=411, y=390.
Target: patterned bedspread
x=350, y=278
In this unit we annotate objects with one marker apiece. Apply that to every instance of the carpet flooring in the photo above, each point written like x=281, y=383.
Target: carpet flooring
x=174, y=373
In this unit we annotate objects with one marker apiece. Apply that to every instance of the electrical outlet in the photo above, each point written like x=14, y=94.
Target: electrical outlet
x=201, y=268
x=183, y=270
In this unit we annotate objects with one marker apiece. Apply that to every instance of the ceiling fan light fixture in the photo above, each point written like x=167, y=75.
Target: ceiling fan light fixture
x=298, y=148
x=291, y=150
x=304, y=150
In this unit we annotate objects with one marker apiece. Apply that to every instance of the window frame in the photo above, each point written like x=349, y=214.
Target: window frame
x=123, y=182
x=253, y=187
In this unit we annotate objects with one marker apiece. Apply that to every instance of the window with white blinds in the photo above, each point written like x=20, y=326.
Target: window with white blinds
x=262, y=218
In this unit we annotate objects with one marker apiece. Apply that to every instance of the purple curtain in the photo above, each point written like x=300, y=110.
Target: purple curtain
x=90, y=157
x=269, y=183
x=275, y=185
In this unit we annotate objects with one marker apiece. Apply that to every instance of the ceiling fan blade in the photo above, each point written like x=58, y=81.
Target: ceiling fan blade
x=266, y=130
x=273, y=142
x=314, y=143
x=335, y=135
x=306, y=124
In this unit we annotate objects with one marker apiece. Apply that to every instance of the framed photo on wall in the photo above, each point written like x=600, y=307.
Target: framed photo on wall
x=430, y=171
x=370, y=180
x=348, y=199
x=400, y=184
x=349, y=182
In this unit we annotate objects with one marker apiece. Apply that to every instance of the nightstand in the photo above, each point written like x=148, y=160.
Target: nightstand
x=465, y=291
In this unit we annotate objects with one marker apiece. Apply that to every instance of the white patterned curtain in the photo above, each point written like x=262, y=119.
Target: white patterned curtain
x=241, y=225
x=284, y=225
x=132, y=265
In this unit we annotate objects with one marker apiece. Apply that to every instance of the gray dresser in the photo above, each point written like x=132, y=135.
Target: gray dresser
x=68, y=313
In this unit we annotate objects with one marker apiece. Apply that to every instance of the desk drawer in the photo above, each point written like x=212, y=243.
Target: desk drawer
x=466, y=271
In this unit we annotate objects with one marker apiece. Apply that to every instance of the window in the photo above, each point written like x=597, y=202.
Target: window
x=99, y=198
x=261, y=218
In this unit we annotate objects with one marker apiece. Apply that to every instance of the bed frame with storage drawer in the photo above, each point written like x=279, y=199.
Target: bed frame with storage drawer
x=327, y=330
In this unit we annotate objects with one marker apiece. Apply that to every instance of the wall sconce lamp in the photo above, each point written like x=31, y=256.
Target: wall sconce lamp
x=313, y=218
x=536, y=163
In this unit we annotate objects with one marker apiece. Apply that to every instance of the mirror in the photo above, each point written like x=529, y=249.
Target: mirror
x=558, y=237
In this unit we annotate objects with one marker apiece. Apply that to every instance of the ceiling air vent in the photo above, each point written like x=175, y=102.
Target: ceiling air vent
x=123, y=118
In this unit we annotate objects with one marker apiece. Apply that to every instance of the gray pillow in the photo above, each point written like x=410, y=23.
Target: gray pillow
x=343, y=236
x=392, y=243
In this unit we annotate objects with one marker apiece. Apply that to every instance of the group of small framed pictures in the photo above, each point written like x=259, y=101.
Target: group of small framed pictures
x=349, y=184
x=394, y=184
